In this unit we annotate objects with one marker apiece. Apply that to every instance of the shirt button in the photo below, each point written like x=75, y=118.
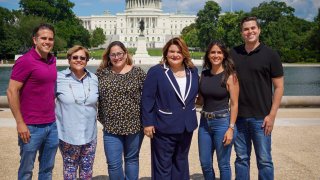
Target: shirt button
x=183, y=108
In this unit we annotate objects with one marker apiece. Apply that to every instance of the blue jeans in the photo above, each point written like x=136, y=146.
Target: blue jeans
x=129, y=146
x=250, y=131
x=210, y=138
x=44, y=138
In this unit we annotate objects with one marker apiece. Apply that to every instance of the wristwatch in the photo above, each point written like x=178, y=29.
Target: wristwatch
x=231, y=126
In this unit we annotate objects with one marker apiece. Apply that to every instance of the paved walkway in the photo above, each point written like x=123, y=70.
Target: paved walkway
x=285, y=117
x=296, y=149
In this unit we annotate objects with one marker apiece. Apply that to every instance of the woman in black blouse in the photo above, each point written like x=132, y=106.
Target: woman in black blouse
x=120, y=86
x=218, y=86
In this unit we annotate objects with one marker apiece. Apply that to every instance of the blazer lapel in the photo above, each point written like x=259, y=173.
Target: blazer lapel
x=189, y=83
x=173, y=82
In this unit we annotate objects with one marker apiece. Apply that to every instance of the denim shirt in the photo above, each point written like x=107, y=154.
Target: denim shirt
x=76, y=107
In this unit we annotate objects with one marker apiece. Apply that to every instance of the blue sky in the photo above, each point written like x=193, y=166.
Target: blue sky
x=306, y=9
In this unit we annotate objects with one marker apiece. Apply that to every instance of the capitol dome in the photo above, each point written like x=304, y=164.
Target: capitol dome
x=143, y=5
x=124, y=26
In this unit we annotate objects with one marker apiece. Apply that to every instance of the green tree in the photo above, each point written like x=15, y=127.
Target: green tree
x=9, y=43
x=53, y=10
x=97, y=37
x=190, y=35
x=59, y=44
x=229, y=28
x=69, y=29
x=282, y=31
x=73, y=33
x=272, y=11
x=207, y=23
x=25, y=26
x=314, y=36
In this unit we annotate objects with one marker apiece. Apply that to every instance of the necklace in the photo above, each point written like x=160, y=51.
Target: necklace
x=86, y=95
x=180, y=74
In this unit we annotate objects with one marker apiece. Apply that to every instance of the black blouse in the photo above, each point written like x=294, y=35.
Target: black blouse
x=119, y=100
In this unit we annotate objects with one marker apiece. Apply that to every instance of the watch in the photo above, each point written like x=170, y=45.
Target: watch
x=231, y=126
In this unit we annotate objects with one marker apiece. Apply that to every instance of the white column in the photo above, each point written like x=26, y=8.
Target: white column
x=156, y=23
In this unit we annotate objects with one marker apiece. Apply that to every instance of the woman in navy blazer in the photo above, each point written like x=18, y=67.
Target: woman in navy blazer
x=169, y=112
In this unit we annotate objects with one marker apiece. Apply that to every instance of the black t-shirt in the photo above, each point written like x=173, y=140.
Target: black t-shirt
x=214, y=91
x=255, y=72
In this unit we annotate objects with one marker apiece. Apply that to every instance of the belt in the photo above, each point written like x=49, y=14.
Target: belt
x=212, y=115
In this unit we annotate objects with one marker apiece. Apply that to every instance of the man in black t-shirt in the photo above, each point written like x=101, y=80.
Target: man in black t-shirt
x=259, y=68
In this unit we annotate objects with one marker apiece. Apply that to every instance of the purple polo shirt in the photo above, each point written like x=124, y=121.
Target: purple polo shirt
x=37, y=96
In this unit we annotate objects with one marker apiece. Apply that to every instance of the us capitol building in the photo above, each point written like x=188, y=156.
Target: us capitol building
x=124, y=27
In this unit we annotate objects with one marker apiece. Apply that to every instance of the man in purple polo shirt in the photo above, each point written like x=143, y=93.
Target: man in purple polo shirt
x=31, y=94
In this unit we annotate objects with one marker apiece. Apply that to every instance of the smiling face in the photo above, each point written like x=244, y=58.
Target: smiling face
x=216, y=56
x=118, y=57
x=43, y=42
x=78, y=61
x=175, y=56
x=250, y=32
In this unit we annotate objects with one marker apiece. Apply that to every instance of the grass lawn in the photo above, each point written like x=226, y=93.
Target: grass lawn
x=97, y=54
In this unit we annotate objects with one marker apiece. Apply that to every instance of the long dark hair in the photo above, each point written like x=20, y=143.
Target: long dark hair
x=227, y=63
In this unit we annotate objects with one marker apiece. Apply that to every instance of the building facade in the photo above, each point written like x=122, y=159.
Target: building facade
x=159, y=26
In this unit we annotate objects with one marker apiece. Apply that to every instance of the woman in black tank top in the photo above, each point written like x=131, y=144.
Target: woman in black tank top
x=218, y=86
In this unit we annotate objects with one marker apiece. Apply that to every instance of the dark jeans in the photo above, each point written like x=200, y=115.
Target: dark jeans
x=250, y=131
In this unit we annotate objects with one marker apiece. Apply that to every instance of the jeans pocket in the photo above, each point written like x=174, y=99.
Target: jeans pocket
x=32, y=129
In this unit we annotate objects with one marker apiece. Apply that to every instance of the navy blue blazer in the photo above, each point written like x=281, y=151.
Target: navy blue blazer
x=162, y=104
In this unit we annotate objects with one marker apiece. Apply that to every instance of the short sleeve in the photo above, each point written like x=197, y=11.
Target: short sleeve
x=21, y=70
x=142, y=74
x=276, y=66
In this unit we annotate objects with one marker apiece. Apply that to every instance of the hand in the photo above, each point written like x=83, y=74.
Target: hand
x=148, y=131
x=23, y=132
x=268, y=124
x=228, y=136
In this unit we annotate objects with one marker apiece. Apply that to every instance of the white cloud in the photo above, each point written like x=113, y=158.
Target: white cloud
x=306, y=9
x=185, y=6
x=316, y=3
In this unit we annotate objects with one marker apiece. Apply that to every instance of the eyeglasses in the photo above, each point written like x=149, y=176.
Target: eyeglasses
x=118, y=54
x=82, y=58
x=86, y=95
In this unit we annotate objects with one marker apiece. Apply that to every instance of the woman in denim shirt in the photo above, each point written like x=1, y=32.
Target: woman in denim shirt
x=76, y=109
x=218, y=86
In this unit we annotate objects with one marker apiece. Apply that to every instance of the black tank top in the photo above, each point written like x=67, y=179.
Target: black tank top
x=214, y=92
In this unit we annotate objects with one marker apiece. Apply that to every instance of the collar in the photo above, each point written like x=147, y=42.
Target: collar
x=68, y=72
x=50, y=59
x=257, y=49
x=166, y=67
x=174, y=84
